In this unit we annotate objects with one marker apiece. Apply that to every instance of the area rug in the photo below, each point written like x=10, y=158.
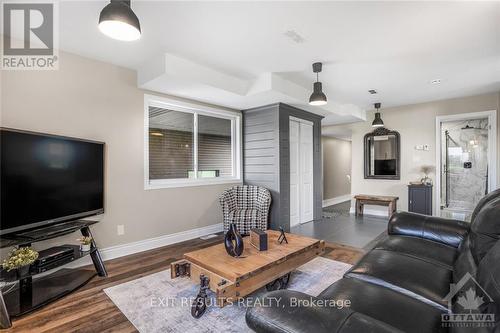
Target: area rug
x=156, y=303
x=334, y=211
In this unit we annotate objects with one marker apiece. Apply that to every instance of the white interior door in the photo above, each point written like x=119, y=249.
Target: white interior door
x=301, y=172
x=306, y=172
x=294, y=173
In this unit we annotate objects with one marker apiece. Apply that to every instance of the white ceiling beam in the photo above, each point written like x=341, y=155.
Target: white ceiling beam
x=177, y=76
x=182, y=69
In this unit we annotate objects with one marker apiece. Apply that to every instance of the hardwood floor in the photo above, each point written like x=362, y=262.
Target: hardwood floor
x=90, y=310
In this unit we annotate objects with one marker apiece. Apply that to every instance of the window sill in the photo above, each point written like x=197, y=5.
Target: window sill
x=159, y=184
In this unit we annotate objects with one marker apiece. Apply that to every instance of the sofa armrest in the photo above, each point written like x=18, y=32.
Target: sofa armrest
x=445, y=231
x=285, y=311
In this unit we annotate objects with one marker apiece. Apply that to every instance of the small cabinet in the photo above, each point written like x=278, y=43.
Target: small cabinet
x=420, y=199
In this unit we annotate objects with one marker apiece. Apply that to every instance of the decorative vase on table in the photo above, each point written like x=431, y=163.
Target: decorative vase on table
x=426, y=181
x=233, y=241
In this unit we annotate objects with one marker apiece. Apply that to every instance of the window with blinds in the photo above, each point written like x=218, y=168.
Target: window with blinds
x=187, y=146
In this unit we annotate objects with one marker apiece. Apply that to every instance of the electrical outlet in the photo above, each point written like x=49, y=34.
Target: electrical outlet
x=120, y=229
x=427, y=147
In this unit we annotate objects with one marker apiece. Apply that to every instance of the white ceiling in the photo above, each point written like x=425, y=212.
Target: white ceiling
x=239, y=54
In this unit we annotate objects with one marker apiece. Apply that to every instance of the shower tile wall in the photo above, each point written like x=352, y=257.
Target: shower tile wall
x=466, y=185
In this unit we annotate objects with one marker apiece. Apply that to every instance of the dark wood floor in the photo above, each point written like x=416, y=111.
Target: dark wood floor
x=90, y=310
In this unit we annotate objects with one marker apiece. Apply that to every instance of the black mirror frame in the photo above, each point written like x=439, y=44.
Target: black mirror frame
x=379, y=132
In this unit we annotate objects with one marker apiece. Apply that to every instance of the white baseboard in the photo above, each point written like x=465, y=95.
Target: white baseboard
x=336, y=200
x=121, y=250
x=373, y=212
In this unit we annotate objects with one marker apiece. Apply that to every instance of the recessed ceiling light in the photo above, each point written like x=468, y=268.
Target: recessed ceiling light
x=436, y=81
x=372, y=91
x=156, y=134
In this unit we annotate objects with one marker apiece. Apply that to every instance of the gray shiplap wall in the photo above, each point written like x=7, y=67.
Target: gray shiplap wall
x=266, y=156
x=261, y=153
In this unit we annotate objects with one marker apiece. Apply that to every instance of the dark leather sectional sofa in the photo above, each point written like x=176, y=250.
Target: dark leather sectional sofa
x=402, y=284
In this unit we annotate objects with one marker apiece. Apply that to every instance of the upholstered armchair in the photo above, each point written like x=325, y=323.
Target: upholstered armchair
x=247, y=206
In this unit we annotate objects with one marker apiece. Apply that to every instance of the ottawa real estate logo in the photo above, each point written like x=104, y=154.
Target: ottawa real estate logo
x=30, y=36
x=469, y=305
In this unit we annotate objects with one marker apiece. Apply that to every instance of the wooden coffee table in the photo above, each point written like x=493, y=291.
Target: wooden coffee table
x=232, y=278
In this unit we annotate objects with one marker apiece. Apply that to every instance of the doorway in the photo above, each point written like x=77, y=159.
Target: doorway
x=466, y=162
x=301, y=171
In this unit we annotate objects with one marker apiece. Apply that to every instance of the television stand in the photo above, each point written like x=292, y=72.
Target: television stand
x=53, y=230
x=32, y=293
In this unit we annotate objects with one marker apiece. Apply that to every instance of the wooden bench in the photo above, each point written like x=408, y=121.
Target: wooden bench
x=380, y=200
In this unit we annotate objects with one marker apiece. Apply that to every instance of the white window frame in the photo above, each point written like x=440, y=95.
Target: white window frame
x=195, y=109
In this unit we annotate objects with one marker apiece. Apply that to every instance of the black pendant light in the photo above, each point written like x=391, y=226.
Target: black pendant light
x=317, y=97
x=118, y=21
x=377, y=122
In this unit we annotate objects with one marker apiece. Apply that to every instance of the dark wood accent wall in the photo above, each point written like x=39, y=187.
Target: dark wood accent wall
x=171, y=155
x=266, y=156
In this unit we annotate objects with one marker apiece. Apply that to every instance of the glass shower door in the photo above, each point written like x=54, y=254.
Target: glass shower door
x=464, y=174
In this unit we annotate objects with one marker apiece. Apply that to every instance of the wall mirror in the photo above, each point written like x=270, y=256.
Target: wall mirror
x=382, y=154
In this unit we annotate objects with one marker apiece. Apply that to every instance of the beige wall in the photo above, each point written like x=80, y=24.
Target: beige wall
x=336, y=167
x=417, y=126
x=99, y=101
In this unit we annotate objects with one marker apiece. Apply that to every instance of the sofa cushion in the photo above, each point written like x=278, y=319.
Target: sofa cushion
x=427, y=250
x=488, y=276
x=485, y=231
x=286, y=312
x=398, y=310
x=484, y=200
x=408, y=275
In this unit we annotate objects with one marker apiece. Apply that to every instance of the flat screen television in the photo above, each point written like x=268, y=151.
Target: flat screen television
x=47, y=179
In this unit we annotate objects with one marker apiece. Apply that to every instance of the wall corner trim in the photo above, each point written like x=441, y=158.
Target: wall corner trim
x=371, y=211
x=336, y=200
